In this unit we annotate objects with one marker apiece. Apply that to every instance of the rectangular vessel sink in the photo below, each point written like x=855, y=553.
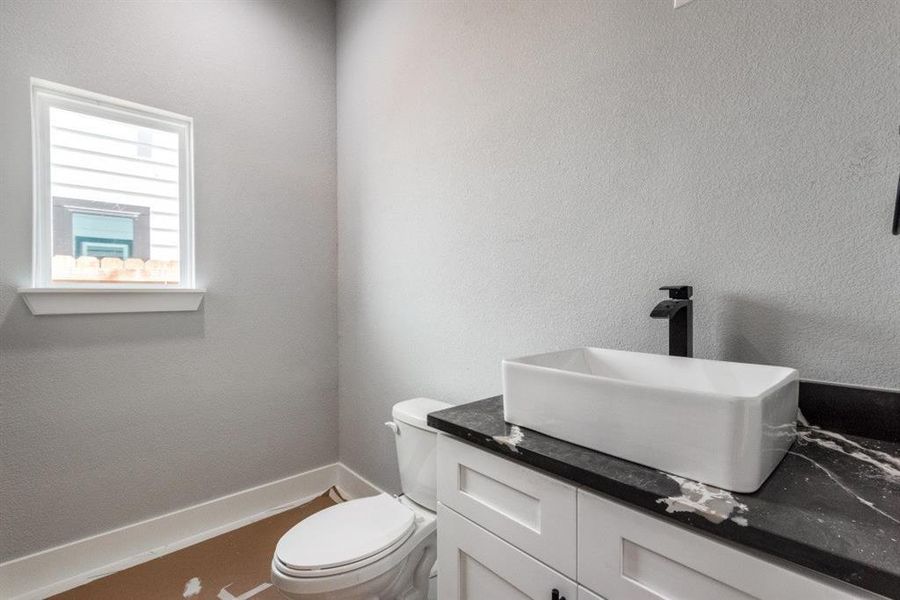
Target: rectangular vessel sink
x=722, y=423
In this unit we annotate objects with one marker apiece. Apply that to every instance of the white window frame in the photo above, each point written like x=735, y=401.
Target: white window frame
x=46, y=95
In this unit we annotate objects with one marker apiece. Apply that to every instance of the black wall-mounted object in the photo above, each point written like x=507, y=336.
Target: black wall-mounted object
x=897, y=210
x=896, y=229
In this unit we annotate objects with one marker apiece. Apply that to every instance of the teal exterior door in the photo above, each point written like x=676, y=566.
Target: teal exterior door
x=102, y=235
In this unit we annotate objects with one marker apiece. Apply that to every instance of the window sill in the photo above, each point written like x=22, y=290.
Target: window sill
x=83, y=301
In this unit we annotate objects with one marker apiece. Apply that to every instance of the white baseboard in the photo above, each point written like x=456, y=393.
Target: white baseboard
x=353, y=485
x=64, y=567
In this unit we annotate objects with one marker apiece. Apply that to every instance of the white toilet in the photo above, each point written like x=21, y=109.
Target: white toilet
x=376, y=548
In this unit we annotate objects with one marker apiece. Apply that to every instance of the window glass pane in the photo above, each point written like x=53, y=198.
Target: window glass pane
x=115, y=200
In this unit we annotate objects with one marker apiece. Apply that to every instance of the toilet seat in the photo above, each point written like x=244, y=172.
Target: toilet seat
x=345, y=537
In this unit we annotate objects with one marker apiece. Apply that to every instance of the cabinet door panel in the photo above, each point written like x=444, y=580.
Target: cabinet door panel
x=530, y=510
x=474, y=564
x=478, y=581
x=625, y=554
x=586, y=594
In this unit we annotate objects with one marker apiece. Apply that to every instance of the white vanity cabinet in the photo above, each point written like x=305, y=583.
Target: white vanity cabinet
x=509, y=532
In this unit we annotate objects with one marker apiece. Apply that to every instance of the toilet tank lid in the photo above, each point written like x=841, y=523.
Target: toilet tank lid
x=415, y=412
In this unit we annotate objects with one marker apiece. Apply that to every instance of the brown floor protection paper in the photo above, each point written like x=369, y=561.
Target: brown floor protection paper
x=232, y=566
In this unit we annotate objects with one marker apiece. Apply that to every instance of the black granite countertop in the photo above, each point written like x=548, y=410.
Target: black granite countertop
x=832, y=505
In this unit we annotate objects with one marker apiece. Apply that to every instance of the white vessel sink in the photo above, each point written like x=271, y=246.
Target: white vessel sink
x=722, y=423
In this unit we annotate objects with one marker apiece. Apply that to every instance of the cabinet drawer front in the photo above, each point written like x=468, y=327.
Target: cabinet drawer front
x=530, y=510
x=474, y=564
x=626, y=554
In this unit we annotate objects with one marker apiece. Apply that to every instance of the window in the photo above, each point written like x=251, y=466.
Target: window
x=113, y=193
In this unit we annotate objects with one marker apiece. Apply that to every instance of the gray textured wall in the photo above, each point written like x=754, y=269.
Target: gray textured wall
x=516, y=177
x=110, y=419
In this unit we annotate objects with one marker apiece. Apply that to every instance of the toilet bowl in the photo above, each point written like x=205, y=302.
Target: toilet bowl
x=374, y=548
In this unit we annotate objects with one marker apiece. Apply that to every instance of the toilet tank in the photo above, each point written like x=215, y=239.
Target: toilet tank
x=417, y=449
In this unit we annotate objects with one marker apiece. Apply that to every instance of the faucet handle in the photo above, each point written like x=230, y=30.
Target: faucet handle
x=679, y=292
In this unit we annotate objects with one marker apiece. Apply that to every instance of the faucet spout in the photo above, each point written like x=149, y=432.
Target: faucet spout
x=679, y=311
x=668, y=308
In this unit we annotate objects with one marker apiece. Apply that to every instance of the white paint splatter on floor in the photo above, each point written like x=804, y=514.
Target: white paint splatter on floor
x=512, y=440
x=192, y=587
x=709, y=502
x=224, y=594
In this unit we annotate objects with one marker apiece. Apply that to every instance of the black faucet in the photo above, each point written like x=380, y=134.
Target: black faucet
x=679, y=310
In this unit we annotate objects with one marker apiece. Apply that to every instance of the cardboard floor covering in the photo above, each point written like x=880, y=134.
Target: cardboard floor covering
x=232, y=566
